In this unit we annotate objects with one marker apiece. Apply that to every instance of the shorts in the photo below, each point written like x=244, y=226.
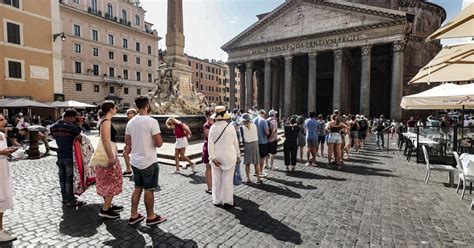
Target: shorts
x=312, y=143
x=181, y=143
x=146, y=178
x=273, y=147
x=354, y=134
x=362, y=135
x=321, y=139
x=334, y=138
x=263, y=150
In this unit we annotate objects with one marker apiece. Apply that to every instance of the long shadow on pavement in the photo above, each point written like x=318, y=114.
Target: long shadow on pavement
x=249, y=215
x=125, y=235
x=294, y=184
x=82, y=222
x=362, y=170
x=284, y=191
x=164, y=239
x=196, y=179
x=309, y=175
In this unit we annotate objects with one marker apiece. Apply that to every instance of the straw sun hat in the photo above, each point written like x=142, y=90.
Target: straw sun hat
x=220, y=113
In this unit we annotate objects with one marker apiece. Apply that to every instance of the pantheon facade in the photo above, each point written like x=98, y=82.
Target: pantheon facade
x=356, y=55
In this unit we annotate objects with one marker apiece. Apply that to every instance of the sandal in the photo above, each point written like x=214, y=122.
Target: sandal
x=248, y=182
x=208, y=191
x=259, y=181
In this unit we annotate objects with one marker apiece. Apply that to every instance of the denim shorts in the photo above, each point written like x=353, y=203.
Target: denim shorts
x=334, y=138
x=146, y=178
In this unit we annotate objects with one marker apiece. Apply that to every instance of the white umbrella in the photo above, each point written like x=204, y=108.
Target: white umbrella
x=460, y=26
x=71, y=104
x=445, y=96
x=21, y=103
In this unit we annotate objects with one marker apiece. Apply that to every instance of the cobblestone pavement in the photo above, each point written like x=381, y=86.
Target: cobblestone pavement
x=377, y=200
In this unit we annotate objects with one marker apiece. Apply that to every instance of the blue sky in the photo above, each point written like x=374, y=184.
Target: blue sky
x=208, y=24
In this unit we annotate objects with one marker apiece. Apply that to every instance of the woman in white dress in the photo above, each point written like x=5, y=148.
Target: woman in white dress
x=6, y=188
x=224, y=153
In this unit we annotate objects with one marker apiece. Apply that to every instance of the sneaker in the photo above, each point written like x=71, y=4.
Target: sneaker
x=157, y=220
x=193, y=167
x=287, y=168
x=307, y=164
x=133, y=221
x=263, y=175
x=175, y=172
x=208, y=191
x=274, y=167
x=108, y=214
x=117, y=209
x=6, y=236
x=127, y=174
x=74, y=203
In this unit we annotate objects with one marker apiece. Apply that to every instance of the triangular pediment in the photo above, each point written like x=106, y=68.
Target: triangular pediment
x=299, y=18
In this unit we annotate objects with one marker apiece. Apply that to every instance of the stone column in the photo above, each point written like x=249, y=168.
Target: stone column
x=231, y=86
x=336, y=97
x=267, y=102
x=365, y=81
x=249, y=85
x=275, y=87
x=312, y=82
x=288, y=84
x=397, y=79
x=242, y=86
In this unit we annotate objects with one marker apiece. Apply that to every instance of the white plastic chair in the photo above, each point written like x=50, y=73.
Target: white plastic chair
x=434, y=167
x=463, y=178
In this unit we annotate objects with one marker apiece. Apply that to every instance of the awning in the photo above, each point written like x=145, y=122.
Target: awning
x=460, y=26
x=71, y=104
x=445, y=96
x=451, y=64
x=21, y=103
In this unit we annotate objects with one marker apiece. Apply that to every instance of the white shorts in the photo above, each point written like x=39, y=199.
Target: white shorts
x=181, y=143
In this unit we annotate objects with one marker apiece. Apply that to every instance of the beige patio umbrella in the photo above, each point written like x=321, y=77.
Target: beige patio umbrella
x=460, y=26
x=451, y=64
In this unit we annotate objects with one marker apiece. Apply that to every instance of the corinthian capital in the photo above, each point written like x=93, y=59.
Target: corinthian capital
x=366, y=50
x=338, y=53
x=398, y=46
x=288, y=58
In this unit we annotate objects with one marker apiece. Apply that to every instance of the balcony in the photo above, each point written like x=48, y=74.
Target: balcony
x=114, y=80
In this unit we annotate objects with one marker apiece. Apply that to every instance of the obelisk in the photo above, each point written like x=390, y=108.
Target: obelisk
x=175, y=58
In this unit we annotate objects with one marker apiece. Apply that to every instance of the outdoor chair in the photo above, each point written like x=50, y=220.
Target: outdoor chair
x=410, y=149
x=434, y=167
x=401, y=140
x=463, y=178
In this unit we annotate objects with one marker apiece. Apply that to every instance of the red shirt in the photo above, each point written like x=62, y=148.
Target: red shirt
x=179, y=131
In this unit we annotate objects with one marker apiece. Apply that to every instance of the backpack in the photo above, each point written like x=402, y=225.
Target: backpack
x=363, y=125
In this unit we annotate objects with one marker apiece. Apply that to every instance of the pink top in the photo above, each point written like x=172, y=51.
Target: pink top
x=179, y=131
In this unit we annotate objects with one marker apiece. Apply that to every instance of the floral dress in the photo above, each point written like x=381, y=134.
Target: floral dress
x=109, y=179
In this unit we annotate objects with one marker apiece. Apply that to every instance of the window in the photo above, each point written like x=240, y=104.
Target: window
x=125, y=91
x=77, y=48
x=197, y=74
x=125, y=58
x=112, y=90
x=94, y=6
x=77, y=30
x=138, y=60
x=149, y=63
x=77, y=67
x=111, y=55
x=111, y=39
x=125, y=74
x=139, y=76
x=14, y=3
x=124, y=43
x=189, y=63
x=201, y=74
x=201, y=66
x=212, y=70
x=76, y=1
x=95, y=35
x=111, y=72
x=150, y=78
x=137, y=20
x=137, y=46
x=197, y=66
x=13, y=33
x=15, y=69
x=110, y=10
x=96, y=88
x=124, y=16
x=95, y=51
x=139, y=91
x=78, y=87
x=95, y=70
x=202, y=88
x=149, y=49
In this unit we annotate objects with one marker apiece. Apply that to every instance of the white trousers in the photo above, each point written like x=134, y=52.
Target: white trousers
x=222, y=185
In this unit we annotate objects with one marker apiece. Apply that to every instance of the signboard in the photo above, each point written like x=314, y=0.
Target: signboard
x=39, y=72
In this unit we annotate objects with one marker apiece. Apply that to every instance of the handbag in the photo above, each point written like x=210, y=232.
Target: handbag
x=237, y=175
x=100, y=158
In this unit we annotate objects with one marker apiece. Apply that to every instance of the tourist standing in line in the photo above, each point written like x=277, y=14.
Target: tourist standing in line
x=142, y=137
x=290, y=148
x=263, y=131
x=354, y=126
x=346, y=141
x=272, y=139
x=205, y=152
x=250, y=140
x=128, y=171
x=334, y=128
x=6, y=187
x=182, y=132
x=321, y=134
x=311, y=128
x=224, y=153
x=363, y=129
x=378, y=128
x=109, y=179
x=65, y=132
x=301, y=136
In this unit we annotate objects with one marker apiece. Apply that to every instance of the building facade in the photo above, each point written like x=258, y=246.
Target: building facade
x=356, y=56
x=29, y=57
x=110, y=51
x=211, y=78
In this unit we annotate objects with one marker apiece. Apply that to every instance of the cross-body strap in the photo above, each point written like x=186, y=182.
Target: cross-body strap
x=221, y=133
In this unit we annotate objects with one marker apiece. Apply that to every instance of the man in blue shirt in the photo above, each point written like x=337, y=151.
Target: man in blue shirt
x=311, y=127
x=263, y=131
x=65, y=133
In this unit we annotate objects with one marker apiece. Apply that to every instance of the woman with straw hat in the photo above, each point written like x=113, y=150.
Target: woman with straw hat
x=224, y=153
